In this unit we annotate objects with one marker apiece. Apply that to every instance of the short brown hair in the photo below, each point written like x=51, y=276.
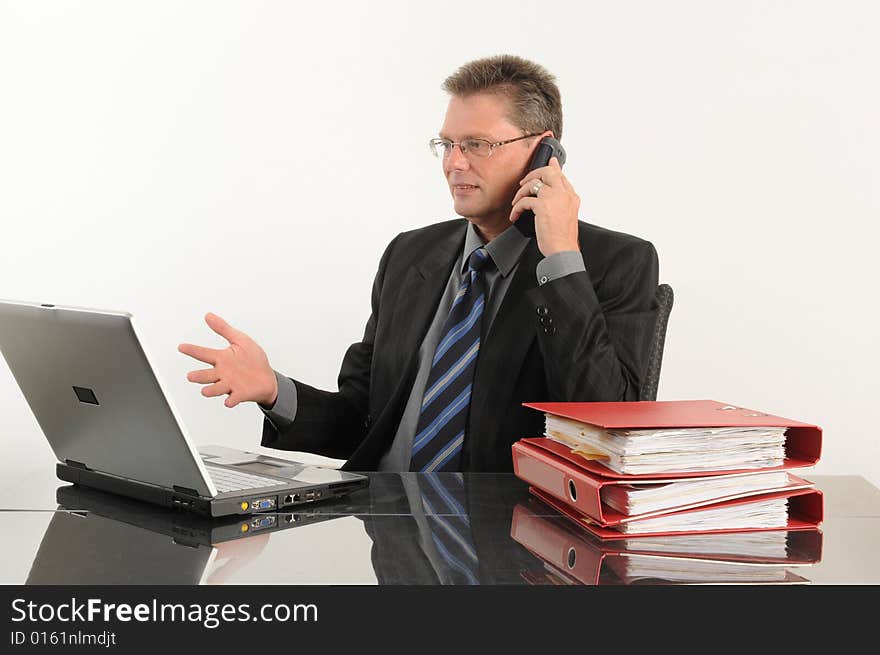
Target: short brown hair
x=535, y=102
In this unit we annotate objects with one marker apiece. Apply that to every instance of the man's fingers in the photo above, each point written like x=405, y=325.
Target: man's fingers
x=530, y=178
x=526, y=192
x=548, y=175
x=204, y=376
x=232, y=400
x=217, y=389
x=528, y=202
x=207, y=355
x=222, y=328
x=554, y=163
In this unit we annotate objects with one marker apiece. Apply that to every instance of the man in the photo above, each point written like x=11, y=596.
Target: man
x=470, y=317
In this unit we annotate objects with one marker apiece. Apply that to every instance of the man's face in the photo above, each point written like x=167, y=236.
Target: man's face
x=482, y=188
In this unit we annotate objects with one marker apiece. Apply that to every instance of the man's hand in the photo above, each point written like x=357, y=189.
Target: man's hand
x=242, y=370
x=555, y=208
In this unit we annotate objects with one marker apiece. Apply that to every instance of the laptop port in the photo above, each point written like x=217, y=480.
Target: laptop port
x=313, y=495
x=262, y=522
x=289, y=518
x=263, y=503
x=290, y=499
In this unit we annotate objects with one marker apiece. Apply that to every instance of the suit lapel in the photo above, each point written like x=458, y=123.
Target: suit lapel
x=503, y=350
x=420, y=294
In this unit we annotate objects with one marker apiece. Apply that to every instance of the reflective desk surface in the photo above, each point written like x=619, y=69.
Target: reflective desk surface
x=409, y=529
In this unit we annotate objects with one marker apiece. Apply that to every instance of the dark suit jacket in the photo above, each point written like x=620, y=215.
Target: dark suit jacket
x=582, y=337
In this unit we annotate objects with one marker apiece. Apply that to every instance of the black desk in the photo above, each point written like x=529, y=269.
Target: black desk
x=56, y=534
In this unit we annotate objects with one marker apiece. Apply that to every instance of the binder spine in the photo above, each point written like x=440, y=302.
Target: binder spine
x=535, y=466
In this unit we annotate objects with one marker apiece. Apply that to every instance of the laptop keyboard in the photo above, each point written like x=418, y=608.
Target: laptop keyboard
x=229, y=480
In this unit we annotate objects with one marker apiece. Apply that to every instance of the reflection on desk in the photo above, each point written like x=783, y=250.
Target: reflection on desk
x=574, y=556
x=100, y=538
x=413, y=528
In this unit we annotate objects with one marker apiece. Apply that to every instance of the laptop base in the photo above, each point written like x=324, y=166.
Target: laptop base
x=238, y=503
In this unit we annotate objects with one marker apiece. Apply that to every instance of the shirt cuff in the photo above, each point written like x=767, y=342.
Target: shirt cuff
x=559, y=265
x=283, y=412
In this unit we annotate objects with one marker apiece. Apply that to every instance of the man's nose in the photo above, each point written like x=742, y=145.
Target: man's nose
x=456, y=160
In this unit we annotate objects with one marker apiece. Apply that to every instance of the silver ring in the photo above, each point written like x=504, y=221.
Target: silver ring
x=537, y=187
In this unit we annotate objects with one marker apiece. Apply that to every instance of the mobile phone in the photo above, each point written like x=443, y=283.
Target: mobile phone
x=546, y=150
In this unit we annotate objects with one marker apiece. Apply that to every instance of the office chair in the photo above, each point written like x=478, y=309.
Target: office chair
x=655, y=356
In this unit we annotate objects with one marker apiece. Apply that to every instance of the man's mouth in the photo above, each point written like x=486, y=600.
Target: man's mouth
x=464, y=187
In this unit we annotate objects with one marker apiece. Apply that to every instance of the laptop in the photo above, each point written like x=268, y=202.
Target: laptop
x=89, y=382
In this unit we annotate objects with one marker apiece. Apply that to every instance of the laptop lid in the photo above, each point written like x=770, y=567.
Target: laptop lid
x=98, y=400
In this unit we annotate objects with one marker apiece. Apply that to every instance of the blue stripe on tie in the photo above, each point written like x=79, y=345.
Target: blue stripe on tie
x=427, y=506
x=454, y=562
x=451, y=501
x=451, y=375
x=457, y=537
x=456, y=332
x=451, y=410
x=449, y=451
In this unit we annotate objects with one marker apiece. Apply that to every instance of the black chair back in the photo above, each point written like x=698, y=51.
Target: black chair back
x=655, y=356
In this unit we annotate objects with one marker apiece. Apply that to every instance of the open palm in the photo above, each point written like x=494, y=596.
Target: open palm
x=241, y=371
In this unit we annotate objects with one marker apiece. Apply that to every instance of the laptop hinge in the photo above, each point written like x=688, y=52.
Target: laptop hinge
x=76, y=465
x=185, y=490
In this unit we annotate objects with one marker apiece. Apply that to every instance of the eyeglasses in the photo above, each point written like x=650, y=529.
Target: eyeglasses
x=477, y=147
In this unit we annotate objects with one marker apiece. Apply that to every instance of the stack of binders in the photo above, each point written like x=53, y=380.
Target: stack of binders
x=660, y=469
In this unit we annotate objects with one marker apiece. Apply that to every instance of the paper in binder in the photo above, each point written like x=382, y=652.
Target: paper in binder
x=678, y=437
x=609, y=501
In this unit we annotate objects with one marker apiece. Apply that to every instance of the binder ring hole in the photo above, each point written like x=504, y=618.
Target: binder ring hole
x=572, y=557
x=572, y=490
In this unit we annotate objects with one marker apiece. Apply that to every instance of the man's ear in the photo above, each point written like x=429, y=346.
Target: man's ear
x=543, y=134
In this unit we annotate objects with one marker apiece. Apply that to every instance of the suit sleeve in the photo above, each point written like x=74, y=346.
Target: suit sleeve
x=333, y=423
x=595, y=336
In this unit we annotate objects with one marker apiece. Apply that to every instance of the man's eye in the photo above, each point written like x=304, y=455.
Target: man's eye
x=474, y=146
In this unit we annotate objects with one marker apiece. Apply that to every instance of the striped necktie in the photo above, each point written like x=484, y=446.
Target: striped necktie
x=443, y=501
x=443, y=416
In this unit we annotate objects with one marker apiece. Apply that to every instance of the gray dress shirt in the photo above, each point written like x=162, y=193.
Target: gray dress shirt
x=504, y=252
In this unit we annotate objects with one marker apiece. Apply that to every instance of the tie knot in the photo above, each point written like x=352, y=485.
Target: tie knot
x=478, y=259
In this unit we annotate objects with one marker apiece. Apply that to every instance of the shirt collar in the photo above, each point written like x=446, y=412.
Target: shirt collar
x=505, y=249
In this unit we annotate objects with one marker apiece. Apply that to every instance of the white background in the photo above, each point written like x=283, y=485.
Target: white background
x=254, y=158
